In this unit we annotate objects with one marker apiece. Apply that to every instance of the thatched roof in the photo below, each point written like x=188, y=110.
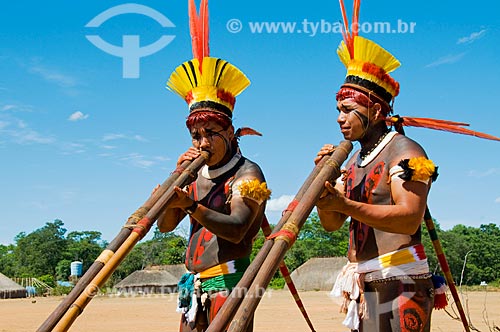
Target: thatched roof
x=176, y=270
x=147, y=278
x=9, y=289
x=318, y=273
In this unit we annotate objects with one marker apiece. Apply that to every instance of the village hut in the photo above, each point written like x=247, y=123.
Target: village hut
x=177, y=270
x=9, y=289
x=148, y=281
x=318, y=274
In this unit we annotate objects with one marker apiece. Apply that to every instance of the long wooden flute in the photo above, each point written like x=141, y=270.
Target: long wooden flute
x=183, y=175
x=228, y=309
x=330, y=171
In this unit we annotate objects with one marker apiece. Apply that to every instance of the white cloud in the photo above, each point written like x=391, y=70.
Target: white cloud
x=497, y=200
x=162, y=159
x=8, y=107
x=16, y=108
x=28, y=136
x=19, y=132
x=472, y=37
x=280, y=203
x=139, y=138
x=53, y=76
x=112, y=137
x=138, y=160
x=449, y=59
x=73, y=148
x=78, y=116
x=482, y=174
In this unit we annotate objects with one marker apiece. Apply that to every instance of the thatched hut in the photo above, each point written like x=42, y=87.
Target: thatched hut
x=9, y=289
x=318, y=273
x=148, y=282
x=177, y=270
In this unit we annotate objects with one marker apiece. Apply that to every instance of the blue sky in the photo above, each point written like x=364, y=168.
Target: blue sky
x=81, y=143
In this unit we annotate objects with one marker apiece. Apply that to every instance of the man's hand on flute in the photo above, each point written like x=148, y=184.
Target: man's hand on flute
x=326, y=150
x=191, y=154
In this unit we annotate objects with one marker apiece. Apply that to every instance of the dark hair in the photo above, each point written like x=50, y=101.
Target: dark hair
x=204, y=116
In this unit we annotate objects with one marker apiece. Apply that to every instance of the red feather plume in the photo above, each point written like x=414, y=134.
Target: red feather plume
x=354, y=31
x=199, y=29
x=445, y=125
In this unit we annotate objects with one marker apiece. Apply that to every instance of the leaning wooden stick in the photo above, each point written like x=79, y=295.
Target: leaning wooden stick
x=266, y=229
x=445, y=267
x=109, y=260
x=110, y=250
x=286, y=236
x=228, y=309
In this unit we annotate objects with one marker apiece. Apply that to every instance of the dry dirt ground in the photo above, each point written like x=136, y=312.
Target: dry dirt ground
x=276, y=312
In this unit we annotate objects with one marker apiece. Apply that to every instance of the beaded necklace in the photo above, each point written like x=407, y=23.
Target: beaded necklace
x=363, y=155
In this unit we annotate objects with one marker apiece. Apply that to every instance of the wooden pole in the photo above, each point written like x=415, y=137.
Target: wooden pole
x=228, y=309
x=443, y=262
x=329, y=172
x=266, y=229
x=137, y=226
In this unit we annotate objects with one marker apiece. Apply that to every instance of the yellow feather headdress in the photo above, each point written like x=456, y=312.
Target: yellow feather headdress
x=205, y=82
x=368, y=64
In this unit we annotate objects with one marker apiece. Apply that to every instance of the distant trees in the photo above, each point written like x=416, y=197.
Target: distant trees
x=478, y=247
x=162, y=249
x=47, y=252
x=39, y=252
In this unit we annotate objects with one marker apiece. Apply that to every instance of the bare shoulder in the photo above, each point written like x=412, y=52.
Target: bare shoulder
x=403, y=147
x=250, y=169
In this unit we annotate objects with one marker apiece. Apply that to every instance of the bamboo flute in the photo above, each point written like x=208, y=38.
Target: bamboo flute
x=226, y=312
x=285, y=273
x=136, y=228
x=330, y=171
x=110, y=250
x=443, y=262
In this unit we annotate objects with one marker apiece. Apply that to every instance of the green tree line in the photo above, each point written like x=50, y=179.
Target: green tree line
x=46, y=253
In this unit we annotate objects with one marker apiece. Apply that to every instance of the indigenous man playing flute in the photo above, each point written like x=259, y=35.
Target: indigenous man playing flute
x=227, y=201
x=386, y=285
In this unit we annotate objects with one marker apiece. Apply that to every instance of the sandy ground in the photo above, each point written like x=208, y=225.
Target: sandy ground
x=276, y=312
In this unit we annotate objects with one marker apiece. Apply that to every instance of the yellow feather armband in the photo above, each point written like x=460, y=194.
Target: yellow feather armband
x=254, y=190
x=418, y=169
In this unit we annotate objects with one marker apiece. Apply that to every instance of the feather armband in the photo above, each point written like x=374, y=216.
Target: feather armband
x=418, y=169
x=254, y=190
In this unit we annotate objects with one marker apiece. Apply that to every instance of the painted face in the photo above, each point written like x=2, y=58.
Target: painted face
x=353, y=119
x=211, y=137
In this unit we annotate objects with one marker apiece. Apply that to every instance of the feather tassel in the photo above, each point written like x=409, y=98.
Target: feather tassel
x=244, y=131
x=436, y=124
